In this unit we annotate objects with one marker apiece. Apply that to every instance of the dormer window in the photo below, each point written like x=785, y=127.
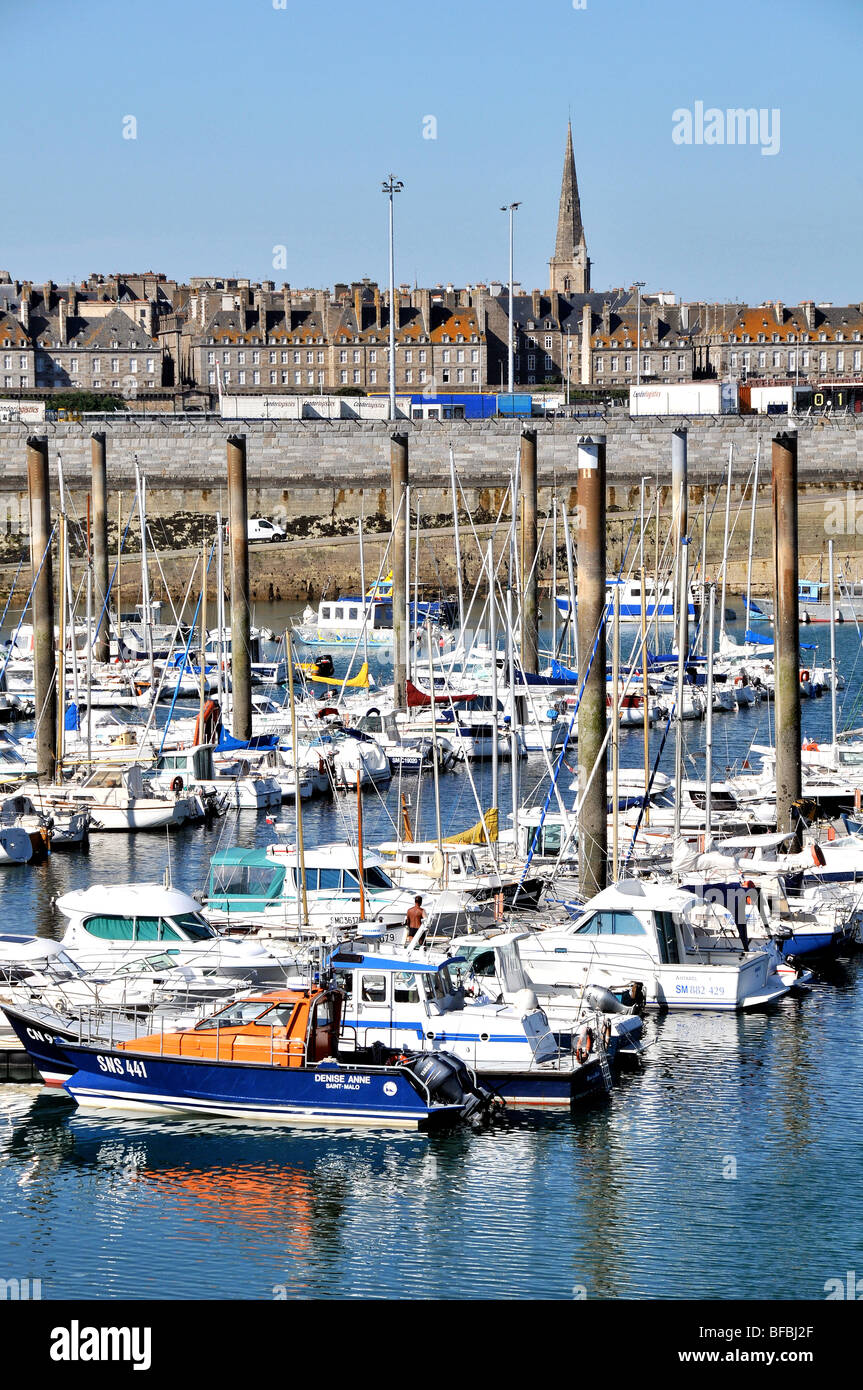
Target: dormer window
x=530, y=323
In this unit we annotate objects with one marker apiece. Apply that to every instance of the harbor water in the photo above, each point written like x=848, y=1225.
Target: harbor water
x=728, y=1166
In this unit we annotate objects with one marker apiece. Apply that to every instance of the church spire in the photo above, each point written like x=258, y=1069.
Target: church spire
x=569, y=267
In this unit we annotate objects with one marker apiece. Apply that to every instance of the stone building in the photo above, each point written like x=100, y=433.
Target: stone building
x=252, y=338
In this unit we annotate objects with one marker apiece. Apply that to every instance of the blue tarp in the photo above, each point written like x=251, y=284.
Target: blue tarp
x=260, y=743
x=73, y=719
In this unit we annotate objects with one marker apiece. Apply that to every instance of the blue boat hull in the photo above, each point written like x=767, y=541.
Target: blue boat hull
x=377, y=1097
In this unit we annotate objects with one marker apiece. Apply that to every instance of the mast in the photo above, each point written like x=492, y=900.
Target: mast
x=302, y=901
x=615, y=730
x=203, y=695
x=681, y=659
x=363, y=583
x=708, y=721
x=833, y=690
x=457, y=545
x=492, y=640
x=645, y=693
x=725, y=544
x=61, y=666
x=554, y=570
x=434, y=738
x=752, y=536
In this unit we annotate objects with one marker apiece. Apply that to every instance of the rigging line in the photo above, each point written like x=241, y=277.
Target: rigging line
x=45, y=555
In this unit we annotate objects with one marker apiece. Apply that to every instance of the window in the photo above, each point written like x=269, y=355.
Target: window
x=474, y=375
x=409, y=357
x=531, y=361
x=681, y=363
x=422, y=354
x=343, y=378
x=474, y=354
x=73, y=364
x=373, y=376
x=241, y=379
x=548, y=342
x=373, y=357
x=356, y=377
x=627, y=364
x=256, y=378
x=111, y=928
x=256, y=357
x=612, y=924
x=115, y=364
x=405, y=989
x=343, y=356
x=374, y=989
x=236, y=1016
x=666, y=364
x=273, y=357
x=822, y=361
x=356, y=354
x=241, y=358
x=226, y=359
x=274, y=378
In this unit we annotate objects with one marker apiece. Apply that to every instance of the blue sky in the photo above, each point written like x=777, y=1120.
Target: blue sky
x=260, y=126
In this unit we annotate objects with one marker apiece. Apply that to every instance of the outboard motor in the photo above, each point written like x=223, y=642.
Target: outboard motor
x=449, y=1081
x=604, y=1001
x=324, y=665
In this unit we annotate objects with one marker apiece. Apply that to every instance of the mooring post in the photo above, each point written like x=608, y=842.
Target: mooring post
x=592, y=771
x=786, y=631
x=99, y=492
x=238, y=512
x=401, y=635
x=529, y=561
x=44, y=683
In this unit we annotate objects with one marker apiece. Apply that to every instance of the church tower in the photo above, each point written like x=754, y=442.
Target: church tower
x=569, y=267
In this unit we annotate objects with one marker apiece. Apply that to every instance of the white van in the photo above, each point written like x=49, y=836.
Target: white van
x=262, y=530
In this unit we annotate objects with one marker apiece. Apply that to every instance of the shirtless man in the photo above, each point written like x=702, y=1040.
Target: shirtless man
x=414, y=919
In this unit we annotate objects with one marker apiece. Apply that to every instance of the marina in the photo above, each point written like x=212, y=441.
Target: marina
x=431, y=683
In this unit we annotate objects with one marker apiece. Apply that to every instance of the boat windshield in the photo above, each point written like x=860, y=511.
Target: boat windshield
x=247, y=1011
x=439, y=985
x=195, y=926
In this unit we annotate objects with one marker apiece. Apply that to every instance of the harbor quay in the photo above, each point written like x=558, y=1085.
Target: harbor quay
x=318, y=477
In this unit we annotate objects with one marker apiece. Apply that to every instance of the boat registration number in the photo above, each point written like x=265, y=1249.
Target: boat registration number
x=122, y=1066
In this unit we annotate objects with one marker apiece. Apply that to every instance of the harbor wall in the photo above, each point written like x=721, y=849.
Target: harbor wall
x=318, y=476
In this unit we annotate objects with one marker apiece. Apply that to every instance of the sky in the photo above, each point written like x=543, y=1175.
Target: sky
x=251, y=137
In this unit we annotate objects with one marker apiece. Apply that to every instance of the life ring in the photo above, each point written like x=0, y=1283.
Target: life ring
x=606, y=1033
x=209, y=714
x=584, y=1045
x=177, y=786
x=805, y=676
x=831, y=832
x=818, y=856
x=810, y=747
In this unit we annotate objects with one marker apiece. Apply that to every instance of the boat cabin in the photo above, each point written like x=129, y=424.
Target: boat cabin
x=286, y=1027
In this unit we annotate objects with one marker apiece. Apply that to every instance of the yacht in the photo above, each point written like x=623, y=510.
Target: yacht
x=644, y=932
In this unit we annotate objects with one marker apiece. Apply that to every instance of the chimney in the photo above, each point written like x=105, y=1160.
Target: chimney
x=46, y=295
x=397, y=302
x=653, y=319
x=358, y=307
x=684, y=318
x=780, y=312
x=150, y=318
x=478, y=300
x=61, y=314
x=586, y=333
x=808, y=307
x=424, y=301
x=606, y=318
x=554, y=305
x=73, y=303
x=24, y=312
x=536, y=304
x=322, y=300
x=377, y=307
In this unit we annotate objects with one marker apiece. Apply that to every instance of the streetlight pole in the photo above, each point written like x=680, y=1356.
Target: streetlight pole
x=639, y=286
x=510, y=208
x=391, y=186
